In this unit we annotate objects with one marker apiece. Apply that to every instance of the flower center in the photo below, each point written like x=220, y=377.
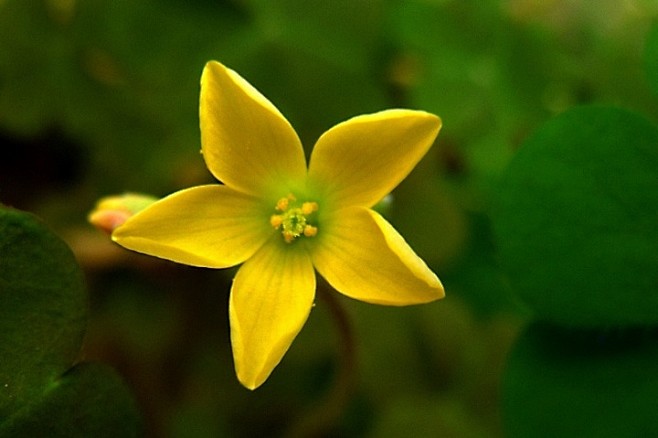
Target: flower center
x=293, y=218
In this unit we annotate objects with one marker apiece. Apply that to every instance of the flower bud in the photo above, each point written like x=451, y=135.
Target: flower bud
x=112, y=211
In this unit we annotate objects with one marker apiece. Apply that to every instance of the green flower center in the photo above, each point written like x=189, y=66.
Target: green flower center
x=294, y=219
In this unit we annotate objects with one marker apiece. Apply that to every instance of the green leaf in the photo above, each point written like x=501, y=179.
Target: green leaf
x=43, y=309
x=576, y=219
x=564, y=383
x=89, y=400
x=651, y=58
x=43, y=313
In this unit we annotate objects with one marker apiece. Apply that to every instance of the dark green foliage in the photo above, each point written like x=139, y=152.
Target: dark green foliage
x=43, y=309
x=99, y=97
x=576, y=222
x=576, y=227
x=566, y=383
x=90, y=400
x=43, y=314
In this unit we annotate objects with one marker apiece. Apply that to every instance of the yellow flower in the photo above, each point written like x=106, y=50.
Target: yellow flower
x=283, y=221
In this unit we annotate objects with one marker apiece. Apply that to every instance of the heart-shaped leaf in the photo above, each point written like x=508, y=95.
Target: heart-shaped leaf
x=43, y=313
x=577, y=220
x=43, y=309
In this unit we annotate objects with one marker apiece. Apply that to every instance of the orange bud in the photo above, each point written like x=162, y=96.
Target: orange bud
x=112, y=211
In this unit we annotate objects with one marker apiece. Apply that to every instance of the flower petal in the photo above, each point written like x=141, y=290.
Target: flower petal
x=361, y=160
x=362, y=256
x=246, y=142
x=271, y=299
x=211, y=226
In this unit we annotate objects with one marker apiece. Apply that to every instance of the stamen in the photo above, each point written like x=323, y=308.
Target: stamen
x=294, y=219
x=276, y=220
x=282, y=204
x=288, y=236
x=309, y=207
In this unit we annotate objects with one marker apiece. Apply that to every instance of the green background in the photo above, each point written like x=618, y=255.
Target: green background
x=537, y=206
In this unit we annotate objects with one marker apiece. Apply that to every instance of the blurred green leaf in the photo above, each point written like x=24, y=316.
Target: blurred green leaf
x=342, y=32
x=89, y=400
x=564, y=383
x=427, y=417
x=651, y=58
x=427, y=215
x=316, y=61
x=43, y=309
x=457, y=59
x=43, y=314
x=476, y=276
x=103, y=72
x=576, y=220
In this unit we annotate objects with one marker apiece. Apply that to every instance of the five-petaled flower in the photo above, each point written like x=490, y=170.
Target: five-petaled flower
x=283, y=220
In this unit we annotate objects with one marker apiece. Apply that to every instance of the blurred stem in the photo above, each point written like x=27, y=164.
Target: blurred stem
x=320, y=418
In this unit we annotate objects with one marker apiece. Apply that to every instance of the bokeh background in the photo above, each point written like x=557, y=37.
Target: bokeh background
x=100, y=97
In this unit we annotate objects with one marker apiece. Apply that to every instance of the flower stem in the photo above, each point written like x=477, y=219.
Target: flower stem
x=320, y=418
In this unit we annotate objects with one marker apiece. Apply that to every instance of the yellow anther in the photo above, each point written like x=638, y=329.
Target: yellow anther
x=294, y=220
x=309, y=207
x=276, y=220
x=282, y=204
x=310, y=231
x=288, y=236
